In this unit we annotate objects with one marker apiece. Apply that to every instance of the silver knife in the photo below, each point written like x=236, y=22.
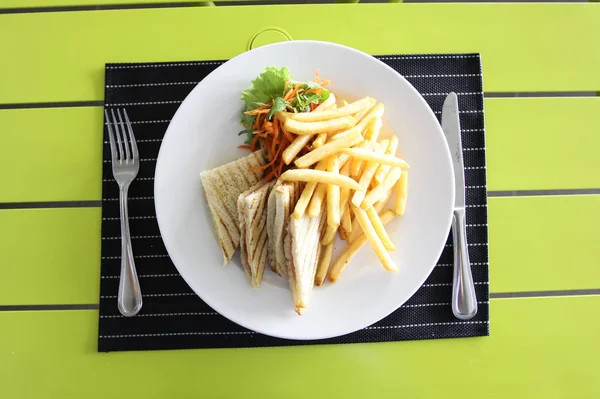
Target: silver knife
x=464, y=301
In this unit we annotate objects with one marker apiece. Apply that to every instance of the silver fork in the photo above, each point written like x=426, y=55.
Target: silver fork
x=125, y=166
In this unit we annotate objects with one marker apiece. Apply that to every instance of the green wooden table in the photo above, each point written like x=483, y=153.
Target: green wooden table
x=543, y=182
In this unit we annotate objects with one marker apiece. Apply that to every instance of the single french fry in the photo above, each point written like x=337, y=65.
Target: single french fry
x=366, y=176
x=307, y=193
x=373, y=238
x=333, y=194
x=373, y=129
x=381, y=190
x=401, y=188
x=340, y=264
x=323, y=268
x=346, y=223
x=327, y=104
x=295, y=147
x=385, y=169
x=349, y=109
x=381, y=203
x=380, y=230
x=320, y=140
x=368, y=155
x=316, y=202
x=376, y=110
x=329, y=235
x=328, y=126
x=356, y=162
x=331, y=148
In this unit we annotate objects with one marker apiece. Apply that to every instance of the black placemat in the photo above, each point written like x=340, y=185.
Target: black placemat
x=173, y=317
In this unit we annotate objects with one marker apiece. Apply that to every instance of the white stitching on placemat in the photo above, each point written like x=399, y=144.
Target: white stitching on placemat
x=137, y=178
x=450, y=284
x=477, y=206
x=155, y=295
x=423, y=305
x=139, y=141
x=474, y=149
x=131, y=217
x=143, y=103
x=151, y=121
x=131, y=198
x=427, y=57
x=132, y=237
x=141, y=159
x=476, y=186
x=472, y=130
x=476, y=224
x=475, y=111
x=448, y=323
x=475, y=167
x=477, y=244
x=118, y=316
x=175, y=334
x=153, y=84
x=136, y=256
x=474, y=93
x=148, y=275
x=452, y=264
x=172, y=64
x=459, y=75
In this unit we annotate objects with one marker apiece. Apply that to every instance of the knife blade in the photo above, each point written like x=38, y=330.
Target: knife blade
x=464, y=301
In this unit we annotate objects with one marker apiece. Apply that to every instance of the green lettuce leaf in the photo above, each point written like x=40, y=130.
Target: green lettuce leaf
x=268, y=85
x=279, y=104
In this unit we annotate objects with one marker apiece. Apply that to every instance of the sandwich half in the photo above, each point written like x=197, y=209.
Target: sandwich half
x=303, y=248
x=252, y=213
x=282, y=201
x=222, y=187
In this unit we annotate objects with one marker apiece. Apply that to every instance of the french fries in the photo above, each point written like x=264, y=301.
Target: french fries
x=367, y=155
x=384, y=169
x=319, y=176
x=352, y=249
x=381, y=190
x=307, y=194
x=327, y=104
x=373, y=238
x=356, y=230
x=295, y=147
x=328, y=126
x=349, y=109
x=322, y=269
x=366, y=176
x=380, y=230
x=401, y=187
x=316, y=202
x=320, y=140
x=333, y=195
x=331, y=148
x=329, y=235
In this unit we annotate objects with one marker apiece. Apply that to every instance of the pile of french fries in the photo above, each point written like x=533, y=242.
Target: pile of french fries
x=350, y=171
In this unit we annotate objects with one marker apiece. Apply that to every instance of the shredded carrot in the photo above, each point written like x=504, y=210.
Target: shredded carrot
x=245, y=147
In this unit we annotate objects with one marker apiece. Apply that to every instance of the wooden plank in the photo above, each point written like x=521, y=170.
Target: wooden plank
x=66, y=51
x=543, y=143
x=544, y=243
x=65, y=162
x=539, y=348
x=52, y=154
x=49, y=256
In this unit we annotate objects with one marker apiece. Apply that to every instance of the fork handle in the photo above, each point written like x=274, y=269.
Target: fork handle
x=464, y=301
x=130, y=295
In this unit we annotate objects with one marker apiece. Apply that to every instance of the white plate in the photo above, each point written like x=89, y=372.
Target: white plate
x=203, y=135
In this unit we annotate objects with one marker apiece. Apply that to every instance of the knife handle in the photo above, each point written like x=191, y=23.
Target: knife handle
x=464, y=301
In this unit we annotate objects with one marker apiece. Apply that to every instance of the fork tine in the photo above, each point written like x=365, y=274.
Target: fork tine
x=111, y=138
x=131, y=136
x=125, y=144
x=118, y=134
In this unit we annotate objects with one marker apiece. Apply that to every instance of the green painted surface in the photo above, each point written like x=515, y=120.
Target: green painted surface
x=543, y=143
x=49, y=256
x=544, y=243
x=535, y=244
x=539, y=348
x=51, y=154
x=521, y=51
